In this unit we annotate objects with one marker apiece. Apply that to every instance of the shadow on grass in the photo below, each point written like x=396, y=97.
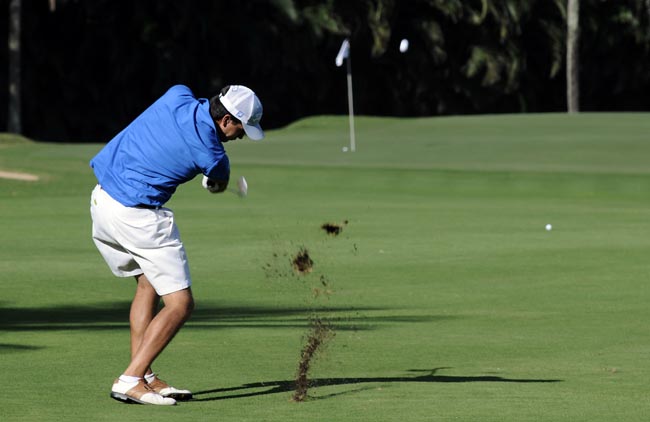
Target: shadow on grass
x=8, y=348
x=113, y=316
x=275, y=387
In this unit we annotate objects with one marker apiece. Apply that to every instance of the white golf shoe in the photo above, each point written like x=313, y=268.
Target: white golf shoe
x=138, y=392
x=166, y=390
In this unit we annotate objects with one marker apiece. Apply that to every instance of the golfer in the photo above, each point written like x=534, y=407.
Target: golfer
x=176, y=138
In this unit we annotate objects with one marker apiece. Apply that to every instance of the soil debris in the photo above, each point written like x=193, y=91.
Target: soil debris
x=320, y=333
x=325, y=290
x=302, y=262
x=333, y=229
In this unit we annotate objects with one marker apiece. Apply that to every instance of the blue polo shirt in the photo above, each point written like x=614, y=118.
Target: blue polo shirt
x=168, y=144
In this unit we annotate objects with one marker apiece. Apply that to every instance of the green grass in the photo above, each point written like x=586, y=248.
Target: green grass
x=449, y=299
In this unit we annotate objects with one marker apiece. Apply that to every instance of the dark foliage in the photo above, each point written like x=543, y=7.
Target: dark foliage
x=90, y=67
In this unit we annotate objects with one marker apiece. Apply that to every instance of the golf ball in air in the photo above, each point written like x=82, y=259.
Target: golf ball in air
x=404, y=45
x=549, y=227
x=345, y=149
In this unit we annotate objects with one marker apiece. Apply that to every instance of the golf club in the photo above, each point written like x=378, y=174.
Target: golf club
x=241, y=190
x=242, y=187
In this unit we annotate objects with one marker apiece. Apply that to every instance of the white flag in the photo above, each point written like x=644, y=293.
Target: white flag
x=344, y=52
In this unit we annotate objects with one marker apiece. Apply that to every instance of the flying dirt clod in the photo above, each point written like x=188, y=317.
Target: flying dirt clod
x=302, y=262
x=333, y=228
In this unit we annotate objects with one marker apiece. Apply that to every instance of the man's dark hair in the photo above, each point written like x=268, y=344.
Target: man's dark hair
x=217, y=110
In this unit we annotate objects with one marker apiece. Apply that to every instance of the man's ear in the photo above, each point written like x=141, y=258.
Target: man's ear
x=227, y=119
x=223, y=122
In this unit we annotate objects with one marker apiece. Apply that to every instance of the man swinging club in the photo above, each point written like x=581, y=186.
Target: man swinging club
x=175, y=139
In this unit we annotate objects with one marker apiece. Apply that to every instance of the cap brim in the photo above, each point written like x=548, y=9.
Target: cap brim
x=254, y=132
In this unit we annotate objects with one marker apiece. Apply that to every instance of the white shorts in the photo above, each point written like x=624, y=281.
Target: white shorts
x=134, y=241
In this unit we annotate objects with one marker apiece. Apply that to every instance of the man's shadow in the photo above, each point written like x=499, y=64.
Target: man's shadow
x=274, y=387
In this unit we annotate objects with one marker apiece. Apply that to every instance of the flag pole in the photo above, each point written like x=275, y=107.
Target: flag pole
x=344, y=54
x=353, y=145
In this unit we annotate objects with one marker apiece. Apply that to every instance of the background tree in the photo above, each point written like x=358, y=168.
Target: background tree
x=14, y=124
x=90, y=67
x=572, y=59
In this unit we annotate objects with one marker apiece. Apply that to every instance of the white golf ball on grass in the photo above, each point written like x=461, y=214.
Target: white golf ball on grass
x=549, y=227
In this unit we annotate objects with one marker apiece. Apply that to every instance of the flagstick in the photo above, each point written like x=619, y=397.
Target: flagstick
x=350, y=104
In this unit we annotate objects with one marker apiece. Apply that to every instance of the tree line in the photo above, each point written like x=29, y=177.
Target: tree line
x=88, y=67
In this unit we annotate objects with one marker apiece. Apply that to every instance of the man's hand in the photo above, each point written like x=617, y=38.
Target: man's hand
x=214, y=186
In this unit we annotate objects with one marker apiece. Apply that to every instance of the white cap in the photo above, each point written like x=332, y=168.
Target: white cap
x=243, y=104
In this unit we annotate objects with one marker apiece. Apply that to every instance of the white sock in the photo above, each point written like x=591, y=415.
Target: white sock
x=129, y=379
x=150, y=377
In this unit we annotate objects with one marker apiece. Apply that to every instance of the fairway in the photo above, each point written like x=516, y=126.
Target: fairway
x=448, y=299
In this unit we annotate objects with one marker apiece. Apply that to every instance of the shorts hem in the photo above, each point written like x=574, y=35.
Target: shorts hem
x=125, y=274
x=172, y=289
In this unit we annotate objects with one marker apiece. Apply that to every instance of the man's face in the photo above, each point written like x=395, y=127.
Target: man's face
x=231, y=130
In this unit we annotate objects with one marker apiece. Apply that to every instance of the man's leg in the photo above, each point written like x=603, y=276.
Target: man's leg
x=143, y=309
x=161, y=327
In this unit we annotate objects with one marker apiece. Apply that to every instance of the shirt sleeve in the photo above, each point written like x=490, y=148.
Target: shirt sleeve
x=221, y=170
